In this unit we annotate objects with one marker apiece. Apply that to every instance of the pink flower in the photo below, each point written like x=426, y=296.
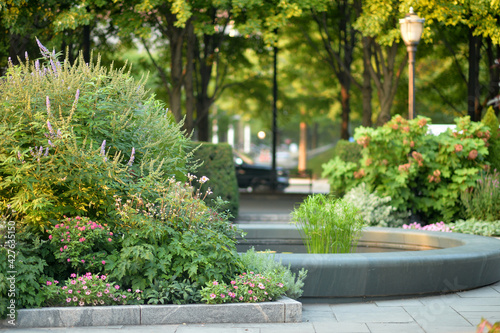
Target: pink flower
x=250, y=292
x=73, y=275
x=87, y=292
x=50, y=236
x=103, y=262
x=65, y=247
x=103, y=277
x=212, y=296
x=85, y=287
x=56, y=226
x=70, y=291
x=111, y=234
x=222, y=296
x=109, y=239
x=69, y=259
x=61, y=249
x=117, y=287
x=233, y=282
x=49, y=283
x=106, y=291
x=241, y=298
x=99, y=294
x=215, y=283
x=68, y=299
x=83, y=261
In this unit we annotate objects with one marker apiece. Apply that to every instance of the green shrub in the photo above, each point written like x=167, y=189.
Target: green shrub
x=376, y=211
x=347, y=151
x=265, y=264
x=476, y=227
x=491, y=120
x=218, y=166
x=21, y=266
x=421, y=173
x=175, y=236
x=328, y=225
x=72, y=136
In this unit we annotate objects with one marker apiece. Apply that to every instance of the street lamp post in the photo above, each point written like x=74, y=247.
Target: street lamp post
x=411, y=30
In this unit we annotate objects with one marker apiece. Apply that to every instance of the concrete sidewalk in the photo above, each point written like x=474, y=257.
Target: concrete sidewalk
x=453, y=313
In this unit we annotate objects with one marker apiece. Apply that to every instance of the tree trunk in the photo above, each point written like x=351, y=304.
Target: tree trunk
x=202, y=120
x=473, y=107
x=367, y=83
x=493, y=52
x=345, y=86
x=188, y=82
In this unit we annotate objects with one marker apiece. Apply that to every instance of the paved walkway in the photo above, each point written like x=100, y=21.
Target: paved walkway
x=452, y=313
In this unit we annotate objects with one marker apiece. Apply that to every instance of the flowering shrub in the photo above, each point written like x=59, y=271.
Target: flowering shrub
x=421, y=173
x=440, y=226
x=88, y=289
x=73, y=135
x=245, y=287
x=81, y=243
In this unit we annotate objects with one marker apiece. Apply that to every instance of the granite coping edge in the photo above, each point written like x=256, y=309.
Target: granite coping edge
x=283, y=310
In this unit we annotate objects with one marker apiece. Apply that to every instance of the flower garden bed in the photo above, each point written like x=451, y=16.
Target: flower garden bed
x=284, y=310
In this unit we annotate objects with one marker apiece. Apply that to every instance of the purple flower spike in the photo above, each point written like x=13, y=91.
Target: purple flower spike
x=37, y=65
x=132, y=157
x=59, y=134
x=103, y=148
x=50, y=144
x=47, y=102
x=19, y=157
x=43, y=49
x=77, y=96
x=26, y=55
x=49, y=126
x=46, y=152
x=54, y=69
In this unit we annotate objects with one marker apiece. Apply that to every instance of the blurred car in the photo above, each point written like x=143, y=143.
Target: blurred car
x=258, y=177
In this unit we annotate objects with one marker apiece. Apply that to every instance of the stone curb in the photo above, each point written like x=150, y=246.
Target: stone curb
x=284, y=310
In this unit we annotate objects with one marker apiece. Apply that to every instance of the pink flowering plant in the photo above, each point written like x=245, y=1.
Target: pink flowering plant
x=247, y=287
x=439, y=226
x=81, y=244
x=88, y=289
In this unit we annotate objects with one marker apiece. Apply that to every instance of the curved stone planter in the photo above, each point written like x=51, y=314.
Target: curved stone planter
x=447, y=262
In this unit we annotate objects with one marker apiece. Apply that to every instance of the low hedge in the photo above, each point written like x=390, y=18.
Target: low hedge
x=218, y=166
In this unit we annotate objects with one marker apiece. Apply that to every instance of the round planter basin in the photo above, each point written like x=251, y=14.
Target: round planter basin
x=419, y=262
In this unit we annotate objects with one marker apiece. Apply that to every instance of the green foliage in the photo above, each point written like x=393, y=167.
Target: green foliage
x=22, y=257
x=421, y=173
x=483, y=201
x=491, y=120
x=329, y=225
x=218, y=166
x=347, y=151
x=376, y=211
x=266, y=264
x=177, y=235
x=173, y=292
x=54, y=118
x=477, y=227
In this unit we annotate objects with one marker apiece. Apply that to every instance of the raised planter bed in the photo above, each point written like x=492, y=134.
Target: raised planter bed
x=284, y=310
x=421, y=262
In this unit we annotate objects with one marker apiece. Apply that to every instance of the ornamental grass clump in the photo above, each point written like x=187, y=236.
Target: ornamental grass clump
x=482, y=202
x=328, y=224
